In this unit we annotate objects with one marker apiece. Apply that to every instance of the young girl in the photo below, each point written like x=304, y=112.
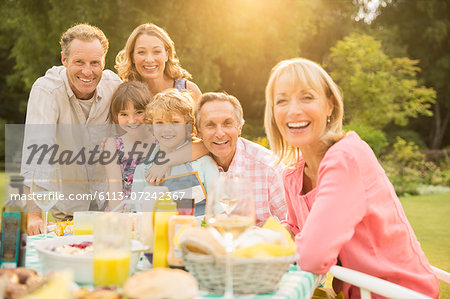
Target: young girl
x=341, y=205
x=172, y=116
x=128, y=111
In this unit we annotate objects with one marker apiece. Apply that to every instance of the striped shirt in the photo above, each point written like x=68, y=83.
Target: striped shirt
x=256, y=163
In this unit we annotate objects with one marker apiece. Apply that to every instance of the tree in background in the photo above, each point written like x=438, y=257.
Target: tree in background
x=227, y=45
x=422, y=28
x=35, y=27
x=232, y=45
x=377, y=89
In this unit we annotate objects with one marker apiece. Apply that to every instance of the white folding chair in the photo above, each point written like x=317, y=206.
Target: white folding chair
x=370, y=284
x=441, y=274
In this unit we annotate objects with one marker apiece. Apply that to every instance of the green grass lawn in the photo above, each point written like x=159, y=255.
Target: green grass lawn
x=429, y=216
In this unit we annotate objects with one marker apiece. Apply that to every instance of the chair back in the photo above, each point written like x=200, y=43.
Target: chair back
x=370, y=284
x=441, y=274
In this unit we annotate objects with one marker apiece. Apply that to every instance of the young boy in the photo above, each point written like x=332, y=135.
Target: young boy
x=171, y=113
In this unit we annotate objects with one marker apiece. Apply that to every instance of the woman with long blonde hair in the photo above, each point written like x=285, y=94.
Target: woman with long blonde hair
x=149, y=56
x=341, y=206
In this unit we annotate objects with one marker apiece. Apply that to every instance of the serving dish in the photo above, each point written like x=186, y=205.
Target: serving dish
x=81, y=265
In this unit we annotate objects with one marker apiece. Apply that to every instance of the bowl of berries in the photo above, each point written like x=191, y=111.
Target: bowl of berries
x=76, y=253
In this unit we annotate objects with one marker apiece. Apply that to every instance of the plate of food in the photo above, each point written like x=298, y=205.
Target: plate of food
x=76, y=253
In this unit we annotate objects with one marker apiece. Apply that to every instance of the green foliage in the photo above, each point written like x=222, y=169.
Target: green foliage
x=421, y=30
x=12, y=104
x=231, y=45
x=444, y=162
x=375, y=138
x=377, y=89
x=405, y=153
x=252, y=130
x=408, y=170
x=35, y=28
x=407, y=134
x=405, y=180
x=332, y=21
x=227, y=45
x=2, y=140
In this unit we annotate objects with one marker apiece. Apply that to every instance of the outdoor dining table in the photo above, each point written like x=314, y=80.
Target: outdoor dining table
x=295, y=284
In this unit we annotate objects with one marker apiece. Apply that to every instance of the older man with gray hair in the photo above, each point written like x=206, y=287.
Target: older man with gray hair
x=219, y=121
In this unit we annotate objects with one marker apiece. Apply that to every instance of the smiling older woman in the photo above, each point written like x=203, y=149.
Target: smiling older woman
x=341, y=205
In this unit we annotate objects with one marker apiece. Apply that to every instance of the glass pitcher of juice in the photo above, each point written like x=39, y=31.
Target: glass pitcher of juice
x=112, y=249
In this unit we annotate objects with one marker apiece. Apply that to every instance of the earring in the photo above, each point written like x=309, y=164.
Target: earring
x=328, y=119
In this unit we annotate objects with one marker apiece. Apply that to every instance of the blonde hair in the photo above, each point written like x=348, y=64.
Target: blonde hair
x=135, y=92
x=84, y=32
x=124, y=59
x=221, y=97
x=307, y=74
x=168, y=102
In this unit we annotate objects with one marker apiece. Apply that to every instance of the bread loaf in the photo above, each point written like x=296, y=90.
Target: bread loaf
x=161, y=283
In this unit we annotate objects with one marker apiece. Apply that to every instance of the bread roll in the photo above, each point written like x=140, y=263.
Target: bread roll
x=161, y=283
x=24, y=274
x=257, y=235
x=200, y=240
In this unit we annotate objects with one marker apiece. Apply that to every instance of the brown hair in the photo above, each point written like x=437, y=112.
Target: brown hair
x=135, y=92
x=124, y=59
x=84, y=32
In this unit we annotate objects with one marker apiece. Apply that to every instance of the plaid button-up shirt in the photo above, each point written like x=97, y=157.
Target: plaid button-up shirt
x=256, y=163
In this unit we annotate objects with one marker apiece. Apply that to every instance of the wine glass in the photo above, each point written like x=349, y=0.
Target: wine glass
x=46, y=185
x=230, y=211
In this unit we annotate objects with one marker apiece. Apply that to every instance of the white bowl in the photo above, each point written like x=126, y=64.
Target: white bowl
x=80, y=264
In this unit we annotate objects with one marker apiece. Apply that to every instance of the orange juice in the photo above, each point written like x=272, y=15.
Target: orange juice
x=111, y=269
x=161, y=216
x=83, y=222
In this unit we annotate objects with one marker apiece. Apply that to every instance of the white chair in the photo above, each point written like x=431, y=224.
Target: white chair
x=441, y=274
x=370, y=284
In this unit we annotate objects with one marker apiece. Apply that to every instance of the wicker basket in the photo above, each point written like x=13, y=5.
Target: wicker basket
x=250, y=275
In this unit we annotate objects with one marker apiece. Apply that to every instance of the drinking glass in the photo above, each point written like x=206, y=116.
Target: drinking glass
x=83, y=222
x=230, y=211
x=112, y=249
x=46, y=186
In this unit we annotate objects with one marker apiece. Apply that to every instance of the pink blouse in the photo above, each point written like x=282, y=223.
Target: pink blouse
x=355, y=216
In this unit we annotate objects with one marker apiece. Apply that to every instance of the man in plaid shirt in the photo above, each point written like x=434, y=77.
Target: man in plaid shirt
x=219, y=119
